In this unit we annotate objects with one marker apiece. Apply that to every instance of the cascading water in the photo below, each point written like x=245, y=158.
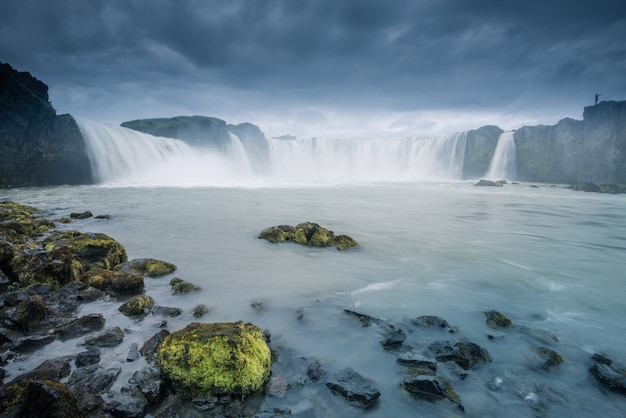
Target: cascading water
x=126, y=157
x=503, y=164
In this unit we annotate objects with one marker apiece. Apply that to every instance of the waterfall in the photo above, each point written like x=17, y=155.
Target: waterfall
x=503, y=165
x=121, y=156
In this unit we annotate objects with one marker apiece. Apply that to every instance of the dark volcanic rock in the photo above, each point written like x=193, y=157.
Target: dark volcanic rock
x=80, y=326
x=36, y=398
x=609, y=377
x=137, y=305
x=466, y=354
x=149, y=348
x=431, y=388
x=353, y=387
x=37, y=147
x=106, y=338
x=148, y=380
x=81, y=215
x=497, y=320
x=430, y=321
x=87, y=358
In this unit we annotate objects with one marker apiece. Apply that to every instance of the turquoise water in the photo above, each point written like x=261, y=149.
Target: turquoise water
x=549, y=258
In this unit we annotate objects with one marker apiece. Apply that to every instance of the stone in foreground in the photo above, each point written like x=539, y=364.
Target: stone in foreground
x=229, y=358
x=353, y=387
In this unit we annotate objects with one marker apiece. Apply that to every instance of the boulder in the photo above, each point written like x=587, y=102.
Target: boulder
x=80, y=326
x=117, y=282
x=87, y=358
x=497, y=320
x=466, y=354
x=137, y=305
x=608, y=375
x=308, y=233
x=109, y=337
x=30, y=398
x=30, y=312
x=230, y=358
x=484, y=182
x=430, y=321
x=54, y=266
x=353, y=387
x=181, y=286
x=431, y=388
x=151, y=345
x=147, y=266
x=81, y=215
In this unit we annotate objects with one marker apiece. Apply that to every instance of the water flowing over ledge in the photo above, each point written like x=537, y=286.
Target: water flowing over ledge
x=123, y=157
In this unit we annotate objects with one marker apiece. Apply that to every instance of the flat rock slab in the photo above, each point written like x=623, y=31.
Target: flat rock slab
x=353, y=387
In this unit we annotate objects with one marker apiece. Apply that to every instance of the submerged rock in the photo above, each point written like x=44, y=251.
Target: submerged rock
x=464, y=353
x=81, y=215
x=308, y=233
x=484, y=182
x=497, y=320
x=607, y=375
x=612, y=188
x=181, y=286
x=147, y=266
x=431, y=388
x=216, y=358
x=353, y=387
x=430, y=321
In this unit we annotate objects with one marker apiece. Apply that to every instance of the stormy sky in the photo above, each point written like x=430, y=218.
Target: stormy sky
x=323, y=67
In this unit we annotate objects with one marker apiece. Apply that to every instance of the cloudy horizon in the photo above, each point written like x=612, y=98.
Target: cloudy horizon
x=315, y=68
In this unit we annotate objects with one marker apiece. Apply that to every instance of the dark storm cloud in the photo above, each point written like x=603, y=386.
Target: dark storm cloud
x=403, y=55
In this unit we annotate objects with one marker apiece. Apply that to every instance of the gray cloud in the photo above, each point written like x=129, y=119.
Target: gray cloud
x=251, y=59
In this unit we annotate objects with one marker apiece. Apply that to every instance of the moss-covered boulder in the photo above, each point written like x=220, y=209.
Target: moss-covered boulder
x=31, y=398
x=308, y=233
x=118, y=282
x=29, y=312
x=21, y=223
x=137, y=305
x=216, y=359
x=147, y=266
x=88, y=250
x=491, y=183
x=55, y=267
x=496, y=319
x=181, y=286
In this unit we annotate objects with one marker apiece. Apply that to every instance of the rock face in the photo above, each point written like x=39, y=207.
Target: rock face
x=479, y=149
x=37, y=146
x=216, y=359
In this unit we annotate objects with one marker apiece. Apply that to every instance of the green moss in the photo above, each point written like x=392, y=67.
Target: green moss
x=156, y=268
x=137, y=305
x=218, y=358
x=181, y=286
x=274, y=234
x=344, y=242
x=89, y=250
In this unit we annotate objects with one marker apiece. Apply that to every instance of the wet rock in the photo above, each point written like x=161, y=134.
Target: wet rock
x=30, y=312
x=166, y=311
x=133, y=353
x=365, y=320
x=181, y=286
x=199, y=311
x=148, y=380
x=353, y=387
x=109, y=337
x=51, y=266
x=393, y=337
x=118, y=282
x=552, y=357
x=89, y=382
x=81, y=215
x=464, y=353
x=32, y=397
x=491, y=183
x=599, y=358
x=497, y=320
x=53, y=370
x=431, y=388
x=80, y=326
x=308, y=233
x=147, y=266
x=137, y=305
x=274, y=413
x=130, y=402
x=90, y=294
x=315, y=372
x=31, y=343
x=87, y=358
x=102, y=217
x=607, y=376
x=416, y=359
x=149, y=348
x=430, y=321
x=277, y=387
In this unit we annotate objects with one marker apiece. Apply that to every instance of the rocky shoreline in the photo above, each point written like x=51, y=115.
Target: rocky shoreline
x=48, y=274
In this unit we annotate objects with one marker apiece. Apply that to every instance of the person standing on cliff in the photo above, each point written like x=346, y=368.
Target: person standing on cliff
x=597, y=97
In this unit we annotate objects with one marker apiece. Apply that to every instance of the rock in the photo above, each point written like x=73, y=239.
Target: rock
x=199, y=311
x=180, y=286
x=166, y=311
x=109, y=337
x=52, y=266
x=31, y=343
x=609, y=377
x=87, y=358
x=88, y=250
x=80, y=326
x=81, y=215
x=466, y=354
x=150, y=347
x=133, y=353
x=148, y=380
x=130, y=402
x=147, y=266
x=484, y=182
x=53, y=369
x=30, y=312
x=497, y=320
x=216, y=358
x=611, y=188
x=393, y=337
x=137, y=305
x=353, y=387
x=308, y=233
x=315, y=372
x=431, y=388
x=118, y=282
x=33, y=397
x=552, y=357
x=430, y=321
x=365, y=320
x=89, y=382
x=277, y=387
x=415, y=359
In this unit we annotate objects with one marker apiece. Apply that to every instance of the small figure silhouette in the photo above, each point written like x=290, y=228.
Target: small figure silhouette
x=597, y=96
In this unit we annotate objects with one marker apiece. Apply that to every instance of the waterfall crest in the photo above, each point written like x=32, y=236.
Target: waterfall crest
x=121, y=156
x=503, y=164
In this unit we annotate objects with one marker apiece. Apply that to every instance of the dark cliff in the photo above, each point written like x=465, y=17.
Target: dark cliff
x=37, y=147
x=589, y=151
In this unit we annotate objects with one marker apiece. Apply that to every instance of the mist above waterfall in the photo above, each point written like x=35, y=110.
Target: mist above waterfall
x=122, y=156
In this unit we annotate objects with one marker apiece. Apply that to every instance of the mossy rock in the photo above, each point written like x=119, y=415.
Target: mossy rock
x=497, y=320
x=119, y=282
x=137, y=305
x=30, y=398
x=206, y=359
x=491, y=183
x=344, y=242
x=275, y=234
x=89, y=250
x=181, y=286
x=19, y=223
x=30, y=312
x=308, y=233
x=54, y=267
x=147, y=266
